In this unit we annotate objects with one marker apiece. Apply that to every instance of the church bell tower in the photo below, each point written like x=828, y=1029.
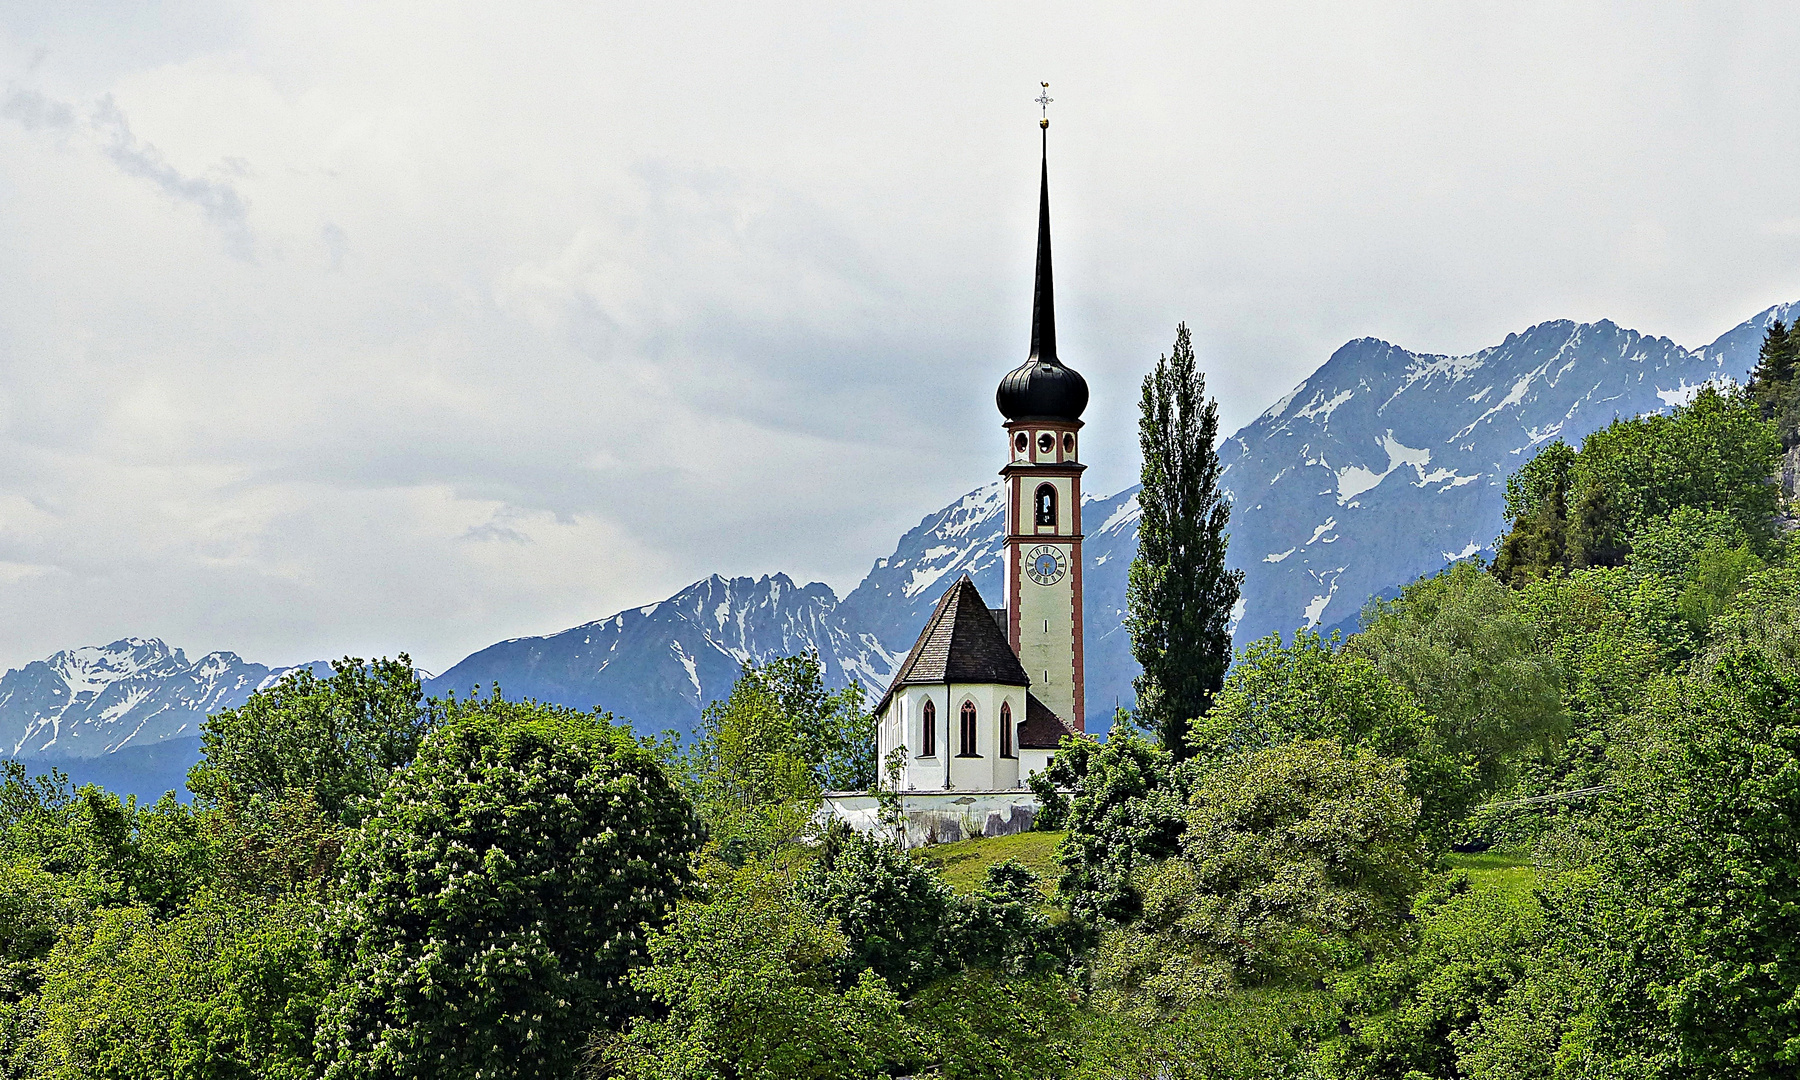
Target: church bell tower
x=1042, y=401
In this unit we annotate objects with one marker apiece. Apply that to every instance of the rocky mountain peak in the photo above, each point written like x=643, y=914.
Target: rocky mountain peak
x=1382, y=465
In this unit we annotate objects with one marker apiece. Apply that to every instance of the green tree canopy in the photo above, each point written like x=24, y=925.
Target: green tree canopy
x=1775, y=383
x=1574, y=509
x=496, y=898
x=1460, y=643
x=333, y=741
x=229, y=987
x=1279, y=693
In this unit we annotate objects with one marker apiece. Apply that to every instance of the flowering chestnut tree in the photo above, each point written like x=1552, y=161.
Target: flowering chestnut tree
x=499, y=894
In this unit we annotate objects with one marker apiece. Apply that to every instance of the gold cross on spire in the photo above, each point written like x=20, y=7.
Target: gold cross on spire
x=1044, y=99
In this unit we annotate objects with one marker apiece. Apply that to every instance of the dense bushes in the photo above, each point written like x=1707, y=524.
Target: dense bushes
x=1570, y=510
x=495, y=900
x=1298, y=861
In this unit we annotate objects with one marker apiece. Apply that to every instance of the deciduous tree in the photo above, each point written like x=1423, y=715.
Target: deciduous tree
x=498, y=895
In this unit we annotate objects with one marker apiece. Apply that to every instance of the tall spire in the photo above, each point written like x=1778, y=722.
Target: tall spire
x=1042, y=388
x=1043, y=301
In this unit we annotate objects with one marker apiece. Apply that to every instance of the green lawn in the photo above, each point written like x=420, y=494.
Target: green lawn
x=965, y=863
x=1491, y=870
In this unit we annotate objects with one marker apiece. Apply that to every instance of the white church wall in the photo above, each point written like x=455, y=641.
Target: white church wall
x=902, y=725
x=1032, y=762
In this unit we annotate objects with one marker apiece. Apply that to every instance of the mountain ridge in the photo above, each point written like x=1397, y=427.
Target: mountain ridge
x=1381, y=465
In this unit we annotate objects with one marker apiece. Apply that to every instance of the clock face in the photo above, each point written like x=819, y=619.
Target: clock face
x=1045, y=564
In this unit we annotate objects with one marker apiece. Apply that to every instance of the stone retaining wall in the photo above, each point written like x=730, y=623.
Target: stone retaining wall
x=938, y=817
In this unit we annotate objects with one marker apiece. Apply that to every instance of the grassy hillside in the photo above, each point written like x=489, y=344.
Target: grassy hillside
x=1512, y=873
x=965, y=863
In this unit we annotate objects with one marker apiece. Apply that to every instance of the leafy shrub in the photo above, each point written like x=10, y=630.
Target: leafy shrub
x=228, y=988
x=1126, y=811
x=496, y=897
x=903, y=922
x=1412, y=1013
x=1298, y=861
x=747, y=983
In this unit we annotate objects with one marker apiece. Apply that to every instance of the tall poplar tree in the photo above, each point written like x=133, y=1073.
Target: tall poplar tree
x=1179, y=596
x=1773, y=385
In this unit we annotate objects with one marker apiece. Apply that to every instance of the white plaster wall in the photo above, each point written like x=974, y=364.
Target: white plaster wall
x=1032, y=762
x=901, y=724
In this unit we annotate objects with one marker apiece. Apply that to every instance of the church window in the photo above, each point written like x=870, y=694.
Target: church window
x=928, y=721
x=1021, y=441
x=1046, y=504
x=1046, y=443
x=1006, y=731
x=1068, y=443
x=968, y=730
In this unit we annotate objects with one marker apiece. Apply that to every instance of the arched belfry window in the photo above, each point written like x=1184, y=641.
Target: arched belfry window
x=928, y=737
x=1006, y=730
x=968, y=730
x=1046, y=504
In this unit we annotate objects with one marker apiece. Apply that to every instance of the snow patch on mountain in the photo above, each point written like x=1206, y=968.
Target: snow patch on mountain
x=94, y=700
x=1356, y=479
x=658, y=666
x=1317, y=517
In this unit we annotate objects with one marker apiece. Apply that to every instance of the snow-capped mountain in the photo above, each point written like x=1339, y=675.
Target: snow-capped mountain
x=659, y=665
x=1386, y=464
x=82, y=703
x=1382, y=465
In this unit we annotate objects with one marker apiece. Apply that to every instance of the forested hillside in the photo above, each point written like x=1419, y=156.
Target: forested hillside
x=370, y=882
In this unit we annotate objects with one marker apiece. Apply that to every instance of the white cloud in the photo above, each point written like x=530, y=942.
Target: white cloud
x=370, y=326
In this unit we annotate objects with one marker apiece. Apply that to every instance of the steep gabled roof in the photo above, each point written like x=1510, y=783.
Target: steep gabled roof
x=1042, y=729
x=961, y=643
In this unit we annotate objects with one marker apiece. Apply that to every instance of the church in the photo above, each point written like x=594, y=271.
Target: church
x=986, y=694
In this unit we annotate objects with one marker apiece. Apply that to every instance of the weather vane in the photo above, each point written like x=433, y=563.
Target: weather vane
x=1044, y=99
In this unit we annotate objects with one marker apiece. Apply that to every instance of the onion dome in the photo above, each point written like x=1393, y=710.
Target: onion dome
x=1042, y=388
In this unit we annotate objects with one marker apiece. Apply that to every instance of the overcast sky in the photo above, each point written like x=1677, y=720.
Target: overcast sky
x=361, y=327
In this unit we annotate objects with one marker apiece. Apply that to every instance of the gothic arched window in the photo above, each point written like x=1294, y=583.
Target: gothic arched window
x=928, y=739
x=1006, y=730
x=968, y=729
x=1046, y=504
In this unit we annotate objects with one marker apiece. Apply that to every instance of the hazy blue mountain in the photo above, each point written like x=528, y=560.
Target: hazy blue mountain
x=145, y=771
x=660, y=664
x=1382, y=465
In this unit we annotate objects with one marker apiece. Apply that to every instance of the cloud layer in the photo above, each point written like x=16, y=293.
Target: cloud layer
x=366, y=327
